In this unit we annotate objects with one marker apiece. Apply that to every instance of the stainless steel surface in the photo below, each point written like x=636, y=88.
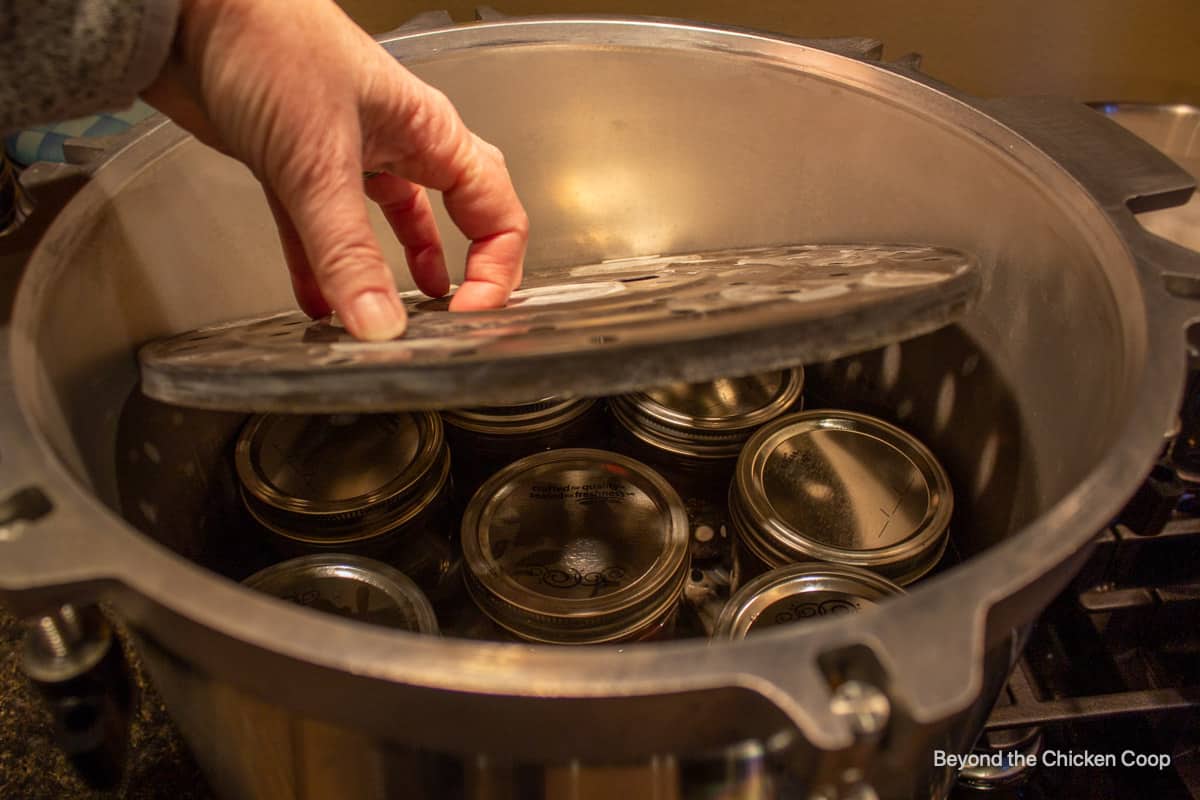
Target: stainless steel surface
x=709, y=419
x=842, y=487
x=1047, y=402
x=580, y=329
x=349, y=586
x=801, y=593
x=1175, y=130
x=576, y=546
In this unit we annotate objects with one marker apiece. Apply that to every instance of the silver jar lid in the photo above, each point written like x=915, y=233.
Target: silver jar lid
x=519, y=419
x=799, y=593
x=349, y=586
x=340, y=478
x=845, y=488
x=575, y=546
x=711, y=419
x=1004, y=758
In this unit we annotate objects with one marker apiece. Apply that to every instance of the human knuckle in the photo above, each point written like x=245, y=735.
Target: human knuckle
x=520, y=224
x=491, y=151
x=349, y=264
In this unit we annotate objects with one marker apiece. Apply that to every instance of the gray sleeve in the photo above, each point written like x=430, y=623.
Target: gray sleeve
x=66, y=58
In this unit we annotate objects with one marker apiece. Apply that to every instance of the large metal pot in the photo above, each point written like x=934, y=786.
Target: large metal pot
x=1047, y=405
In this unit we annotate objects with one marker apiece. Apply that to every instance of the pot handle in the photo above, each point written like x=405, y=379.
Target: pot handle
x=39, y=523
x=44, y=515
x=425, y=21
x=1120, y=169
x=1125, y=174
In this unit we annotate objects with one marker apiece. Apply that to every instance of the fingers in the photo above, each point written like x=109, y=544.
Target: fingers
x=406, y=207
x=418, y=131
x=304, y=285
x=319, y=186
x=484, y=205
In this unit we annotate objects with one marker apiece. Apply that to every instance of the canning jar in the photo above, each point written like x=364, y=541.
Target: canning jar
x=368, y=484
x=801, y=593
x=576, y=546
x=840, y=487
x=349, y=586
x=692, y=434
x=488, y=439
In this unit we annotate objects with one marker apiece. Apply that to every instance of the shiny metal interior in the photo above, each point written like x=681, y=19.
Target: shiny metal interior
x=188, y=240
x=627, y=138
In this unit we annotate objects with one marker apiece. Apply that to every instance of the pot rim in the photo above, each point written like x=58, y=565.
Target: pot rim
x=159, y=589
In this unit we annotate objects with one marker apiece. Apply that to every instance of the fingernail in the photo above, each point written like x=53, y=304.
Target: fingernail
x=376, y=316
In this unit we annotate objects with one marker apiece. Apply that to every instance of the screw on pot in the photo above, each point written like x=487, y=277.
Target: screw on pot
x=864, y=707
x=77, y=664
x=56, y=634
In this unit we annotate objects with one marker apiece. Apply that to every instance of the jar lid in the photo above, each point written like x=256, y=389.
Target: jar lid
x=713, y=418
x=799, y=593
x=513, y=419
x=1002, y=759
x=575, y=546
x=842, y=487
x=324, y=478
x=349, y=586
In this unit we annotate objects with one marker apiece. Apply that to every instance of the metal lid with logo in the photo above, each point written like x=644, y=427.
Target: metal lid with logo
x=519, y=419
x=845, y=488
x=340, y=478
x=801, y=593
x=711, y=419
x=576, y=546
x=349, y=586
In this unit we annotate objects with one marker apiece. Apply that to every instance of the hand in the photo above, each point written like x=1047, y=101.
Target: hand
x=308, y=101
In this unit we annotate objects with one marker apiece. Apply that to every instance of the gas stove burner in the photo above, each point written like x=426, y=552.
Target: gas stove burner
x=583, y=330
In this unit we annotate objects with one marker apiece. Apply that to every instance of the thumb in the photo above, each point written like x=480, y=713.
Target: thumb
x=325, y=200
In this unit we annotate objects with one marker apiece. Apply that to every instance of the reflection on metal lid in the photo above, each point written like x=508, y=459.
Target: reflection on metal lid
x=799, y=593
x=842, y=487
x=999, y=762
x=327, y=478
x=712, y=418
x=575, y=546
x=327, y=463
x=515, y=419
x=349, y=586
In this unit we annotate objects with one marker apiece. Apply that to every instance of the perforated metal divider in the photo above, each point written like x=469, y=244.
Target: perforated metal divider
x=586, y=330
